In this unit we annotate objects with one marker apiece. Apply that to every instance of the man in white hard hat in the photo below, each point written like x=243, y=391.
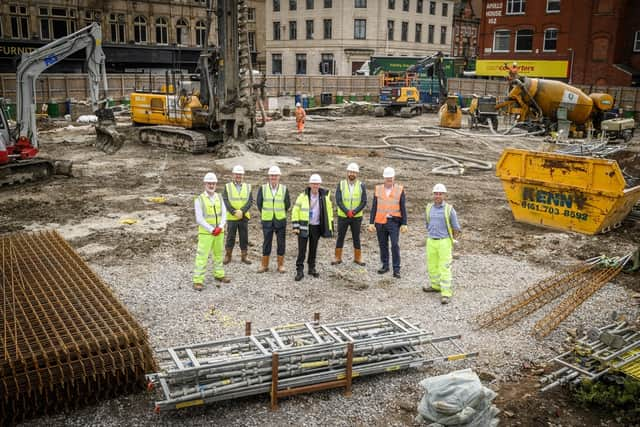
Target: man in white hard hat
x=351, y=199
x=301, y=116
x=389, y=218
x=312, y=218
x=238, y=200
x=211, y=217
x=442, y=230
x=273, y=203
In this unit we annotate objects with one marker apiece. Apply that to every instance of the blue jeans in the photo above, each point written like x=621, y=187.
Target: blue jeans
x=386, y=232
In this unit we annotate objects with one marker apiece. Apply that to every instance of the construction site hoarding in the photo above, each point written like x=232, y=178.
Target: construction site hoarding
x=583, y=194
x=498, y=68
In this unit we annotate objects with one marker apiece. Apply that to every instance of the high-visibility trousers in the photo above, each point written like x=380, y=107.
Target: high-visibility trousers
x=439, y=256
x=300, y=126
x=208, y=243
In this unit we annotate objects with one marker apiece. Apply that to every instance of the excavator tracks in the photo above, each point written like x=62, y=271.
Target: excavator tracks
x=174, y=138
x=24, y=171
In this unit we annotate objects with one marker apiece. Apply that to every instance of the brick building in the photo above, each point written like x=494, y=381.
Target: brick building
x=593, y=42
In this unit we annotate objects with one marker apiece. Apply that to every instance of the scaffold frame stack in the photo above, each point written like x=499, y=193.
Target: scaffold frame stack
x=293, y=359
x=67, y=340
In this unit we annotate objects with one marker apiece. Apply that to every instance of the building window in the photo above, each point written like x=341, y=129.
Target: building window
x=276, y=30
x=276, y=63
x=251, y=14
x=117, y=28
x=162, y=34
x=301, y=63
x=182, y=32
x=445, y=9
x=405, y=5
x=140, y=29
x=524, y=40
x=252, y=41
x=293, y=30
x=327, y=25
x=293, y=4
x=550, y=39
x=360, y=4
x=432, y=8
x=390, y=25
x=327, y=64
x=553, y=6
x=515, y=7
x=636, y=42
x=404, y=35
x=57, y=22
x=19, y=22
x=431, y=30
x=328, y=4
x=443, y=35
x=201, y=32
x=501, y=40
x=391, y=4
x=360, y=29
x=309, y=29
x=418, y=33
x=276, y=7
x=310, y=4
x=419, y=6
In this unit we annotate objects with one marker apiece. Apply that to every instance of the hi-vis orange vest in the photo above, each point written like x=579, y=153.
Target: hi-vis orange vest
x=387, y=205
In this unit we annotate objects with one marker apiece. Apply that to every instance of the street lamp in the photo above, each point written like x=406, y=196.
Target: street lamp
x=571, y=66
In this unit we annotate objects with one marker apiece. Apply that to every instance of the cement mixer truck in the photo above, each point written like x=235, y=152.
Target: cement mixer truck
x=558, y=106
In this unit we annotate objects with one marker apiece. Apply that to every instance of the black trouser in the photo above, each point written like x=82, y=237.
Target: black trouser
x=314, y=237
x=386, y=232
x=270, y=227
x=242, y=226
x=345, y=223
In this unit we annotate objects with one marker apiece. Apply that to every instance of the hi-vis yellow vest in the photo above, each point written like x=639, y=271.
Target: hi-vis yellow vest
x=273, y=205
x=210, y=211
x=237, y=200
x=350, y=200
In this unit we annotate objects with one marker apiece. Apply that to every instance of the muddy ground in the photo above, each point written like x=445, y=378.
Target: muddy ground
x=91, y=209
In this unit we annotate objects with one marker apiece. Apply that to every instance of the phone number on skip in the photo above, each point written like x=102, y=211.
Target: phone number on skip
x=552, y=210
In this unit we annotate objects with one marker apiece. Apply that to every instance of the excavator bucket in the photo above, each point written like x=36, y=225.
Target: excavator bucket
x=108, y=139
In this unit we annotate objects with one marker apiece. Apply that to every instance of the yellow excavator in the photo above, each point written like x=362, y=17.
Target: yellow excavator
x=194, y=113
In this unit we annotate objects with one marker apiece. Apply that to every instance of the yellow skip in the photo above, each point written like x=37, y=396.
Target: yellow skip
x=191, y=403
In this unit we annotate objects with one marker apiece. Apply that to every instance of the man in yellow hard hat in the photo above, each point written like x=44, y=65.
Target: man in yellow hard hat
x=312, y=218
x=238, y=200
x=351, y=199
x=273, y=203
x=210, y=217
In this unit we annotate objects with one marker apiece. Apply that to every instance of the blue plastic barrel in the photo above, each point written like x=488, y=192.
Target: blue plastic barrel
x=298, y=99
x=305, y=102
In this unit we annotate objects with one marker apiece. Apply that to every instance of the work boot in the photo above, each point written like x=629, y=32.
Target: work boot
x=445, y=300
x=265, y=264
x=220, y=280
x=338, y=259
x=281, y=264
x=313, y=272
x=244, y=258
x=299, y=275
x=357, y=257
x=428, y=288
x=198, y=286
x=227, y=256
x=383, y=270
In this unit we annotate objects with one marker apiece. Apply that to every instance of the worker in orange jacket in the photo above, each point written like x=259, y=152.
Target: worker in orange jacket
x=301, y=115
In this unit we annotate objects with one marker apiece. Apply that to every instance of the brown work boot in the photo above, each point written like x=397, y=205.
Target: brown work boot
x=227, y=256
x=244, y=257
x=357, y=257
x=338, y=259
x=265, y=264
x=220, y=280
x=281, y=264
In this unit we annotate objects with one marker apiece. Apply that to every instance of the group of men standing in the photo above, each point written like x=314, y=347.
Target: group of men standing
x=312, y=218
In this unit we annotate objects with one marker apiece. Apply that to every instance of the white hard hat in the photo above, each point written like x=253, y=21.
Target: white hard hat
x=388, y=172
x=353, y=167
x=439, y=188
x=298, y=104
x=315, y=179
x=238, y=169
x=274, y=170
x=515, y=63
x=210, y=177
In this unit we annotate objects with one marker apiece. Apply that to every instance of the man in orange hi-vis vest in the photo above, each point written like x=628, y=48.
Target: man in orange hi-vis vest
x=301, y=115
x=388, y=219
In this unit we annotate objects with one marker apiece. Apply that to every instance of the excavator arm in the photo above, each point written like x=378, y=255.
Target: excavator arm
x=34, y=63
x=434, y=61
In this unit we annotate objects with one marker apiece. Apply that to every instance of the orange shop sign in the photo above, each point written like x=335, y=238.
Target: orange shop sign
x=556, y=69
